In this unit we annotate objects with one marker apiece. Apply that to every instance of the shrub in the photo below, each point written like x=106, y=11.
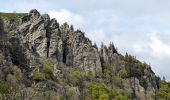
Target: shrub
x=104, y=97
x=48, y=71
x=18, y=75
x=97, y=90
x=121, y=97
x=38, y=77
x=70, y=93
x=74, y=77
x=7, y=92
x=114, y=92
x=48, y=68
x=4, y=89
x=117, y=81
x=123, y=73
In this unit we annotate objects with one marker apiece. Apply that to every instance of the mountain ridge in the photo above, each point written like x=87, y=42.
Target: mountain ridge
x=56, y=62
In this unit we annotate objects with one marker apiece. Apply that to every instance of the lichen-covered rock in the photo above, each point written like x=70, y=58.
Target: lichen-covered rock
x=46, y=38
x=79, y=51
x=55, y=43
x=42, y=35
x=138, y=91
x=10, y=26
x=107, y=54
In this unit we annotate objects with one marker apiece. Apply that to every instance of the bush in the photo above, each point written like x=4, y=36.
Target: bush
x=121, y=97
x=8, y=92
x=117, y=81
x=97, y=90
x=114, y=92
x=4, y=89
x=48, y=68
x=38, y=77
x=89, y=75
x=123, y=73
x=104, y=97
x=48, y=71
x=74, y=77
x=18, y=74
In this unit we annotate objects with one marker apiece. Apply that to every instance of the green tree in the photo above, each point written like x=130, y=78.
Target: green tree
x=164, y=90
x=97, y=90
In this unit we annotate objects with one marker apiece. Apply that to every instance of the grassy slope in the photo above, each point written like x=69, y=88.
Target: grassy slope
x=8, y=16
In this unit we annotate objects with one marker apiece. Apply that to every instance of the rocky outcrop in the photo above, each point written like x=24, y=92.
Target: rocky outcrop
x=139, y=92
x=44, y=37
x=108, y=54
x=78, y=50
x=55, y=43
x=34, y=33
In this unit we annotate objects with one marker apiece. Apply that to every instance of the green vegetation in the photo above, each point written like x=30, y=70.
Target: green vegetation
x=123, y=73
x=8, y=92
x=97, y=91
x=74, y=77
x=47, y=71
x=12, y=16
x=18, y=75
x=48, y=68
x=104, y=97
x=117, y=81
x=38, y=77
x=164, y=91
x=4, y=89
x=121, y=97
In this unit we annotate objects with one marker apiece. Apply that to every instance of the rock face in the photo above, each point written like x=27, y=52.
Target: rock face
x=140, y=92
x=44, y=37
x=107, y=54
x=34, y=33
x=78, y=50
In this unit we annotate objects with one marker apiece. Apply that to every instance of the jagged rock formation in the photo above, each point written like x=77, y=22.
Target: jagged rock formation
x=36, y=41
x=107, y=54
x=78, y=50
x=46, y=38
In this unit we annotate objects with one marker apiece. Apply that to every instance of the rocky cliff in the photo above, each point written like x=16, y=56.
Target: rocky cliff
x=51, y=61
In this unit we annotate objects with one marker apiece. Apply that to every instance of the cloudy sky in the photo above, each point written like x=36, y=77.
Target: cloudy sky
x=139, y=27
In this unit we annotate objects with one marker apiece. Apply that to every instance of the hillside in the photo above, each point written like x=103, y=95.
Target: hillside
x=43, y=60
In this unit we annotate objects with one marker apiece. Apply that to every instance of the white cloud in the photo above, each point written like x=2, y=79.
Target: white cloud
x=64, y=15
x=158, y=46
x=152, y=44
x=97, y=36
